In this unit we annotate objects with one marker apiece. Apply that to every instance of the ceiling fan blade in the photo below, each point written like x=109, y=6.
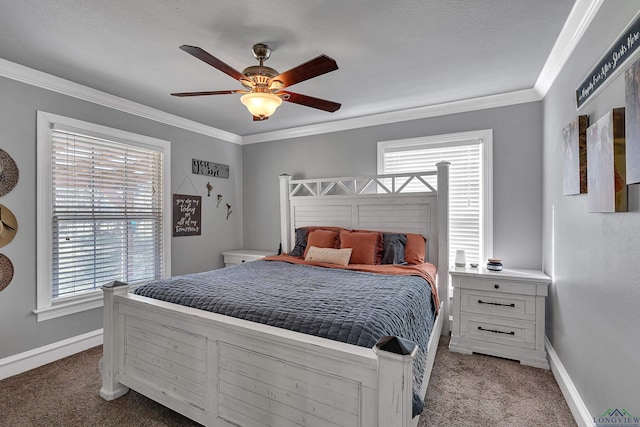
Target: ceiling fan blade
x=310, y=101
x=260, y=118
x=213, y=92
x=213, y=61
x=316, y=67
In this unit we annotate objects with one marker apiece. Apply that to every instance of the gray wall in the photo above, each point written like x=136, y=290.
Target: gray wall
x=592, y=319
x=517, y=162
x=19, y=102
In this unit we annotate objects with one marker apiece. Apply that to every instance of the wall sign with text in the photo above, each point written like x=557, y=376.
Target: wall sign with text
x=204, y=167
x=187, y=213
x=611, y=62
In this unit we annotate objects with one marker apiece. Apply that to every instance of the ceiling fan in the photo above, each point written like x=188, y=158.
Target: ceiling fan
x=264, y=86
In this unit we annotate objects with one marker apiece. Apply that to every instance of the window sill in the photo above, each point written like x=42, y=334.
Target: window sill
x=69, y=306
x=73, y=305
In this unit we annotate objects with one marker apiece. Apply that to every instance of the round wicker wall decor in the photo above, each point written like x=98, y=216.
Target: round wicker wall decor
x=8, y=173
x=6, y=271
x=8, y=226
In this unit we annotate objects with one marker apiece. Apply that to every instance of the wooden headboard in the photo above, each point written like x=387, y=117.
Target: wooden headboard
x=379, y=203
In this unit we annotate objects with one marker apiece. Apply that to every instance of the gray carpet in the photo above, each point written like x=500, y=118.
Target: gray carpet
x=480, y=390
x=464, y=391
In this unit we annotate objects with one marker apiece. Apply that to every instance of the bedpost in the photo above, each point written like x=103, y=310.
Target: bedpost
x=285, y=213
x=111, y=388
x=395, y=381
x=443, y=243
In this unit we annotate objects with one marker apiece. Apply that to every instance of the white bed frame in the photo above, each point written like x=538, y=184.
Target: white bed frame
x=223, y=371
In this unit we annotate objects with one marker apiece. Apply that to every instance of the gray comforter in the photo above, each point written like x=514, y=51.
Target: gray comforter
x=349, y=306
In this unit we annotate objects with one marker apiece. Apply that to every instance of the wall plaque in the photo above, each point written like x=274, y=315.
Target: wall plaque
x=204, y=167
x=611, y=63
x=187, y=212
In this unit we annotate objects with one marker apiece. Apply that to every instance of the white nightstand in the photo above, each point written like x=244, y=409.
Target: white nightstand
x=500, y=314
x=239, y=256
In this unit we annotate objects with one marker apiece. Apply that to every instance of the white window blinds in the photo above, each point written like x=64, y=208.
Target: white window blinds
x=106, y=213
x=465, y=186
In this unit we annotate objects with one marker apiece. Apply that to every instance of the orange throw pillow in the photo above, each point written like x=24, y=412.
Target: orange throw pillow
x=414, y=250
x=321, y=239
x=365, y=246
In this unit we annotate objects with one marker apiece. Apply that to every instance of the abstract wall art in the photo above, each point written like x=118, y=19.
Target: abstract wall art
x=632, y=122
x=607, y=167
x=574, y=147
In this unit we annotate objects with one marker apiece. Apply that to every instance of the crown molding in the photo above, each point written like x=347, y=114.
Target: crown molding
x=576, y=25
x=37, y=78
x=473, y=104
x=43, y=80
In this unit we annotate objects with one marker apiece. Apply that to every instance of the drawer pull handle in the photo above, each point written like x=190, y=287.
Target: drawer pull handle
x=496, y=286
x=243, y=260
x=496, y=303
x=480, y=328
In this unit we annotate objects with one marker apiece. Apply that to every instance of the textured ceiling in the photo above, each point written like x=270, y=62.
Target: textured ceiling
x=392, y=55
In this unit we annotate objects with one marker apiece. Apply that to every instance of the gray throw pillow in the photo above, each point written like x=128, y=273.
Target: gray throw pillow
x=301, y=242
x=393, y=248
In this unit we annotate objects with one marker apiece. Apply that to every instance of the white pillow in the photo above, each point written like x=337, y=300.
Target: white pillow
x=329, y=255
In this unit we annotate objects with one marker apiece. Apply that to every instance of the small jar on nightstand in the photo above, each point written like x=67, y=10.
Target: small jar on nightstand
x=500, y=313
x=240, y=256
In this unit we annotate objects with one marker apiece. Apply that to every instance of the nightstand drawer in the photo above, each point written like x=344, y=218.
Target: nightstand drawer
x=499, y=285
x=498, y=330
x=241, y=256
x=236, y=259
x=514, y=306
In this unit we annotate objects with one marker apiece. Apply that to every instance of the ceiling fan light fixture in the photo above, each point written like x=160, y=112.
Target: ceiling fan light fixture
x=261, y=104
x=264, y=94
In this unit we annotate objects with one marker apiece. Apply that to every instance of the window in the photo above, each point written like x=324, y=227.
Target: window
x=470, y=183
x=102, y=195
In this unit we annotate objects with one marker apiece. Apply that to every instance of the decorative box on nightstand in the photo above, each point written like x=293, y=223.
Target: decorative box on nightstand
x=244, y=255
x=500, y=313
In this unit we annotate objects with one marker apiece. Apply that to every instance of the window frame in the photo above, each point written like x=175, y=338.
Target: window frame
x=485, y=136
x=46, y=307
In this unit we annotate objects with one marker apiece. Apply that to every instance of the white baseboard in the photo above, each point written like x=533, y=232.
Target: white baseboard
x=19, y=363
x=576, y=404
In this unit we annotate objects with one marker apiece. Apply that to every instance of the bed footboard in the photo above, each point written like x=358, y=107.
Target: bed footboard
x=111, y=388
x=223, y=371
